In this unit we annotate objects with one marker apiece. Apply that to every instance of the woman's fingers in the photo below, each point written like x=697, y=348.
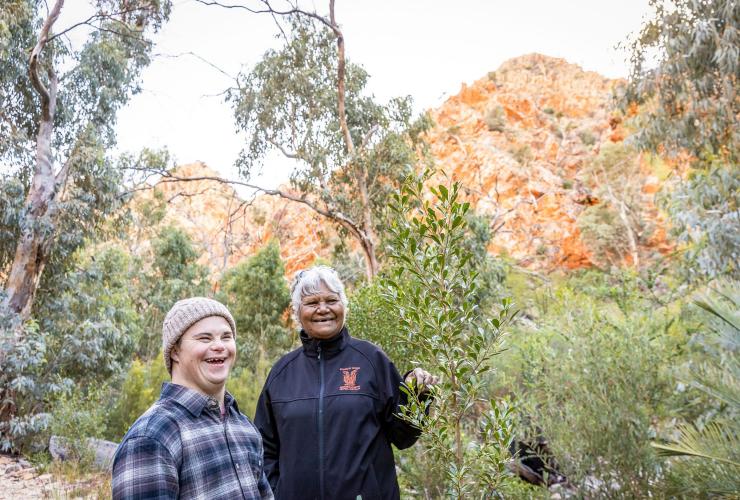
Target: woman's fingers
x=422, y=378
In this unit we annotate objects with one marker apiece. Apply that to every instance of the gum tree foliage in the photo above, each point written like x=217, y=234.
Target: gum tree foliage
x=58, y=106
x=257, y=294
x=174, y=274
x=431, y=289
x=307, y=102
x=85, y=334
x=691, y=105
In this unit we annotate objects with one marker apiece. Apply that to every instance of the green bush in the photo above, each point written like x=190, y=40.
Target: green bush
x=522, y=154
x=245, y=384
x=595, y=376
x=587, y=137
x=84, y=332
x=174, y=274
x=78, y=415
x=139, y=390
x=431, y=290
x=256, y=293
x=709, y=447
x=371, y=318
x=496, y=119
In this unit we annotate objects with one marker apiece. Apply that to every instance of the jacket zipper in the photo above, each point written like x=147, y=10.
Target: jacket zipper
x=321, y=424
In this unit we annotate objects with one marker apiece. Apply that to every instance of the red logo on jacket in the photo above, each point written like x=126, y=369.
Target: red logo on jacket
x=349, y=375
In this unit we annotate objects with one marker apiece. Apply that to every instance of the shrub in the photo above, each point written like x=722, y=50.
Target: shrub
x=595, y=377
x=522, y=154
x=431, y=288
x=77, y=415
x=139, y=390
x=174, y=275
x=372, y=318
x=245, y=384
x=84, y=334
x=496, y=119
x=710, y=447
x=587, y=137
x=256, y=293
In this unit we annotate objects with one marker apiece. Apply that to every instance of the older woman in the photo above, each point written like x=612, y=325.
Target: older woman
x=328, y=410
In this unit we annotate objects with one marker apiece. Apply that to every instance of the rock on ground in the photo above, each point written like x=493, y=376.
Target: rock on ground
x=20, y=480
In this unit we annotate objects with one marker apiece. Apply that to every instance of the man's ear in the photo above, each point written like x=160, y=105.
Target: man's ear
x=175, y=353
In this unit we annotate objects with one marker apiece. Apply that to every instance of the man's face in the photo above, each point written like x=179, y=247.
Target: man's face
x=322, y=315
x=203, y=357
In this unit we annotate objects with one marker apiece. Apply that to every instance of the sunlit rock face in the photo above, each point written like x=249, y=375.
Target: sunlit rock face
x=521, y=141
x=227, y=227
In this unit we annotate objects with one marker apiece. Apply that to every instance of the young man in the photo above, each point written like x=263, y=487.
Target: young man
x=193, y=442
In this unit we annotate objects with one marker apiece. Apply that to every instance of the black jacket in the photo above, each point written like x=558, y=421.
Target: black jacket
x=327, y=418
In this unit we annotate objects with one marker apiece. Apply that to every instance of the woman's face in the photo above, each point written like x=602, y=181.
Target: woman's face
x=322, y=314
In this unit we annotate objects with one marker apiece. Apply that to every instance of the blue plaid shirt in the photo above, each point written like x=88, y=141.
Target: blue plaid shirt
x=183, y=447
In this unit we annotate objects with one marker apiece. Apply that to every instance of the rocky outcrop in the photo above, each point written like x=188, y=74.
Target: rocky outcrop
x=227, y=227
x=520, y=140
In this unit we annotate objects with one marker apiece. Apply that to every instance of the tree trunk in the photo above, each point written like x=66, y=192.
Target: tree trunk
x=33, y=246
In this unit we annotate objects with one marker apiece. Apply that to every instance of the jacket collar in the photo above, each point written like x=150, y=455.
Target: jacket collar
x=329, y=347
x=194, y=401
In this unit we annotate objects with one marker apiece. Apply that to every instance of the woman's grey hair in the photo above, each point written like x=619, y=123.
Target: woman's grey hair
x=308, y=282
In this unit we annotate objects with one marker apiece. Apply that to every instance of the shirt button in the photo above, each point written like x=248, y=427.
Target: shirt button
x=237, y=466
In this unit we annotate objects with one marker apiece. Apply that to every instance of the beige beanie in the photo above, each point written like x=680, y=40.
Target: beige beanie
x=184, y=314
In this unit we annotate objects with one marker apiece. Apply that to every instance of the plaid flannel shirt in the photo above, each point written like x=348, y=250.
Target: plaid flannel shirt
x=182, y=447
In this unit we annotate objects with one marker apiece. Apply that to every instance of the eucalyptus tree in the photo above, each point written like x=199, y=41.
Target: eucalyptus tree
x=59, y=185
x=58, y=110
x=309, y=102
x=691, y=105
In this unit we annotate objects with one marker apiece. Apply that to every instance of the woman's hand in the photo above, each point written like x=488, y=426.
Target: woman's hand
x=421, y=380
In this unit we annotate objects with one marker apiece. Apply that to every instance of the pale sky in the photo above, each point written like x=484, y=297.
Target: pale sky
x=422, y=48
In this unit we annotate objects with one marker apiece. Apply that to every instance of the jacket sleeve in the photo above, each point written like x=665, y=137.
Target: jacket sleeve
x=264, y=420
x=399, y=432
x=144, y=468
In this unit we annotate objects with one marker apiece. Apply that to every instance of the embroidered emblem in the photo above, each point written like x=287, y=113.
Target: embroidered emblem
x=349, y=375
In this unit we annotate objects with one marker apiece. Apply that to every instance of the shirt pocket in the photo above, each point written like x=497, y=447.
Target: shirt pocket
x=255, y=463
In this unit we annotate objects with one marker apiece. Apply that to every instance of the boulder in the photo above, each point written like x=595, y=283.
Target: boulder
x=62, y=449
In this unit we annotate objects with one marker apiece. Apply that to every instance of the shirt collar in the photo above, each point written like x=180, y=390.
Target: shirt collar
x=194, y=401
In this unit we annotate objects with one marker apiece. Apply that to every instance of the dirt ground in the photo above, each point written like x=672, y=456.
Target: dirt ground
x=19, y=480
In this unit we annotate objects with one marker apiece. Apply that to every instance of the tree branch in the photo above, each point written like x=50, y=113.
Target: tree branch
x=328, y=212
x=341, y=83
x=200, y=58
x=47, y=99
x=286, y=153
x=270, y=10
x=91, y=18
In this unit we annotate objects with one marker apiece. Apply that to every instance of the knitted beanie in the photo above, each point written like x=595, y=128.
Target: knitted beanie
x=184, y=314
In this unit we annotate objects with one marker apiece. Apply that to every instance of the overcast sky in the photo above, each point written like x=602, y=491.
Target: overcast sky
x=422, y=48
